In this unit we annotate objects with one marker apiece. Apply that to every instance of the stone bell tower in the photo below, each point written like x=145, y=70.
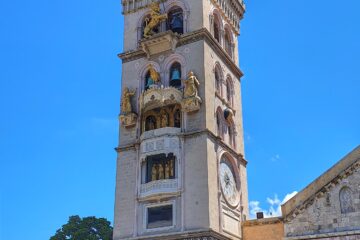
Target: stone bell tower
x=181, y=171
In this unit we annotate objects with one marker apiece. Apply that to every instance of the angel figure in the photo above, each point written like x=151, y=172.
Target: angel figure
x=191, y=86
x=126, y=101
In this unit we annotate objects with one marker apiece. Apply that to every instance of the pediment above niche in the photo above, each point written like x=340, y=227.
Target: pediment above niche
x=159, y=43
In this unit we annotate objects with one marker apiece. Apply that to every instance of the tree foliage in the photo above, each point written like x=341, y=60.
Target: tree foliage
x=88, y=228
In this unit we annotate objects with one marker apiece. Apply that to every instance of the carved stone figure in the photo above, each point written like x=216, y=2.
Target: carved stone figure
x=154, y=20
x=154, y=77
x=154, y=172
x=128, y=117
x=126, y=101
x=164, y=120
x=191, y=86
x=161, y=172
x=167, y=171
x=191, y=100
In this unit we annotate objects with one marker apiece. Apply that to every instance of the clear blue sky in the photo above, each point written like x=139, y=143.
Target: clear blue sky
x=60, y=95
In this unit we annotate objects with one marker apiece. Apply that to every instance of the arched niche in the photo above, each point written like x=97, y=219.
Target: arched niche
x=172, y=5
x=218, y=76
x=169, y=63
x=144, y=71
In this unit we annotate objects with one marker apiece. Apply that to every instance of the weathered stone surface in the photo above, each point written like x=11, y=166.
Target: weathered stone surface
x=331, y=212
x=269, y=229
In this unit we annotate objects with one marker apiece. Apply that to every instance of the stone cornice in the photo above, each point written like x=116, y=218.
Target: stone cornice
x=194, y=235
x=215, y=138
x=264, y=221
x=188, y=38
x=326, y=235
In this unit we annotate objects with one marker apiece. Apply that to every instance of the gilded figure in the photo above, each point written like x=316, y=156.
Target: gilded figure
x=126, y=101
x=164, y=120
x=161, y=172
x=191, y=86
x=154, y=20
x=154, y=173
x=167, y=170
x=154, y=77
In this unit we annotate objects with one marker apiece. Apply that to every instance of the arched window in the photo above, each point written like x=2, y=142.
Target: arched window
x=175, y=75
x=217, y=81
x=218, y=125
x=228, y=43
x=229, y=91
x=346, y=201
x=150, y=123
x=177, y=118
x=217, y=28
x=176, y=20
x=231, y=133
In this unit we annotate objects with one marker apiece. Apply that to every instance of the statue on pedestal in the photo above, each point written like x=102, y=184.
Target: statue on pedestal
x=128, y=117
x=191, y=100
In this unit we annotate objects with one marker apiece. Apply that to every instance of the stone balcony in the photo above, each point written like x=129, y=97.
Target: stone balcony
x=160, y=97
x=156, y=189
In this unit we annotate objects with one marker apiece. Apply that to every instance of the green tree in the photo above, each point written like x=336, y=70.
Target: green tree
x=88, y=228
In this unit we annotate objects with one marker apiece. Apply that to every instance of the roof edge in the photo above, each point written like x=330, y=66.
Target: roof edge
x=319, y=183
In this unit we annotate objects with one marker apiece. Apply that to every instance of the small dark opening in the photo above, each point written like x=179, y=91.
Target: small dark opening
x=260, y=215
x=160, y=217
x=175, y=75
x=176, y=21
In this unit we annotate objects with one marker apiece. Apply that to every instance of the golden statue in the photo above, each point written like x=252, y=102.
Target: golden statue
x=154, y=173
x=167, y=170
x=161, y=172
x=126, y=101
x=191, y=85
x=172, y=168
x=164, y=120
x=154, y=20
x=154, y=75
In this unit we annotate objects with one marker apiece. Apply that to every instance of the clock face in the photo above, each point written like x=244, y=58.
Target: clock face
x=228, y=184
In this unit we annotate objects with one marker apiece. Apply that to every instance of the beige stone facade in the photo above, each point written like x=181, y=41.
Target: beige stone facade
x=269, y=229
x=197, y=136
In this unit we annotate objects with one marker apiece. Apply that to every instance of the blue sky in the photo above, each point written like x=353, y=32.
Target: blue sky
x=60, y=95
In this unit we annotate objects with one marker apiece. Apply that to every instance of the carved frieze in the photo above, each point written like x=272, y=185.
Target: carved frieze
x=160, y=97
x=159, y=43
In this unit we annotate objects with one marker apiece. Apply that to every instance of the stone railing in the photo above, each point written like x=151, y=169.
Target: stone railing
x=160, y=97
x=166, y=186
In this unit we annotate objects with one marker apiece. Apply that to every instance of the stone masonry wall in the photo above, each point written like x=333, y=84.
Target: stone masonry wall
x=331, y=213
x=269, y=229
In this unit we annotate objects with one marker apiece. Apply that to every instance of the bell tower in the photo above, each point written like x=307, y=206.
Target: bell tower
x=181, y=171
